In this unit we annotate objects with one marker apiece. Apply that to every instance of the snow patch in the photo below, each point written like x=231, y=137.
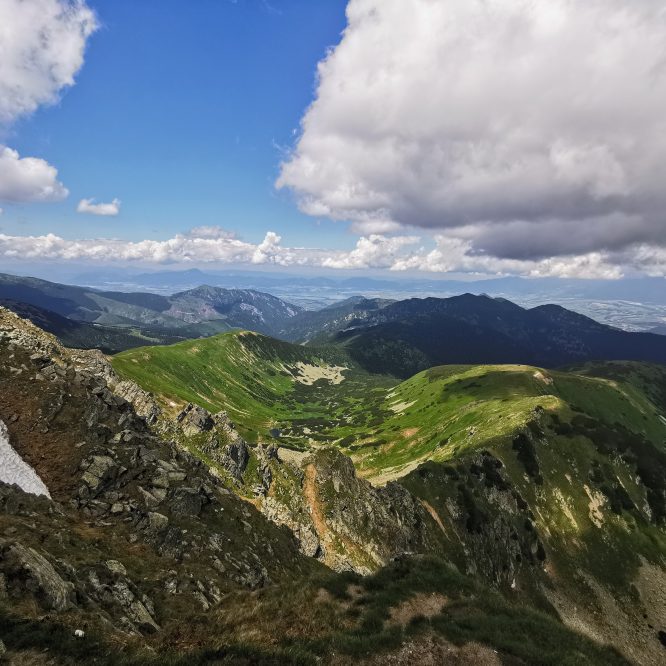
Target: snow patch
x=14, y=470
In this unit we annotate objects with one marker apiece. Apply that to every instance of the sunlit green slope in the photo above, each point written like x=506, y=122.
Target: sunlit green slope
x=319, y=397
x=548, y=485
x=444, y=412
x=265, y=385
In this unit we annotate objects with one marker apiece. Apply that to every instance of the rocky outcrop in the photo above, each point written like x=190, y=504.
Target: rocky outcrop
x=24, y=570
x=490, y=530
x=234, y=458
x=126, y=500
x=144, y=403
x=377, y=524
x=343, y=520
x=194, y=419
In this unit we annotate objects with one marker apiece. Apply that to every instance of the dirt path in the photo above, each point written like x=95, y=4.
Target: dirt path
x=311, y=497
x=435, y=516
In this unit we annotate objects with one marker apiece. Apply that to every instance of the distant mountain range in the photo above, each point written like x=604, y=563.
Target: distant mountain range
x=650, y=290
x=415, y=334
x=118, y=320
x=381, y=335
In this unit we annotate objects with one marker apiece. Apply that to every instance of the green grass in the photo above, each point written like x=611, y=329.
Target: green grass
x=446, y=412
x=388, y=428
x=259, y=381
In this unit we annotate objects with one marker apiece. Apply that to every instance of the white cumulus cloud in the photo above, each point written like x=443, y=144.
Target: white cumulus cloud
x=28, y=178
x=480, y=117
x=105, y=209
x=442, y=254
x=42, y=46
x=373, y=251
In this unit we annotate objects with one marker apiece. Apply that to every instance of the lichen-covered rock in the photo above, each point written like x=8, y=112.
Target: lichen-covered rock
x=25, y=571
x=194, y=419
x=144, y=403
x=234, y=458
x=136, y=610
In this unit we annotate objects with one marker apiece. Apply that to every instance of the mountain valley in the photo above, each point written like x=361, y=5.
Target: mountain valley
x=494, y=513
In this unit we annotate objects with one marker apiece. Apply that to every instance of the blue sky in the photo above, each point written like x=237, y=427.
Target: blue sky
x=181, y=111
x=518, y=137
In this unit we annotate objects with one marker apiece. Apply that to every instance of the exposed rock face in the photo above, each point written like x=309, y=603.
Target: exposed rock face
x=144, y=403
x=343, y=520
x=234, y=458
x=492, y=533
x=382, y=523
x=299, y=522
x=25, y=570
x=194, y=419
x=122, y=496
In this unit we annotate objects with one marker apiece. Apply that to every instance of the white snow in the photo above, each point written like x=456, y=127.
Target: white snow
x=13, y=469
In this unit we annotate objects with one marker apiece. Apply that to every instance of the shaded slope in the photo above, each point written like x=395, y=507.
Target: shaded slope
x=84, y=335
x=411, y=335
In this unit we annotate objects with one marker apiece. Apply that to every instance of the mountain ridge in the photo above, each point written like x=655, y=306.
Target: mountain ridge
x=479, y=329
x=400, y=337
x=120, y=316
x=485, y=527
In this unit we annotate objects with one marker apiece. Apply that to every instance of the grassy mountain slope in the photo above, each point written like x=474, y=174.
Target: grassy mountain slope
x=443, y=412
x=315, y=396
x=547, y=485
x=263, y=384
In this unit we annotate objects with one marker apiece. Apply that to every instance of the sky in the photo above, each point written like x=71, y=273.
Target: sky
x=480, y=137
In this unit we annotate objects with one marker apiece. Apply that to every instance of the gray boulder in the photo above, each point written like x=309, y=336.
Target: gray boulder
x=194, y=419
x=26, y=571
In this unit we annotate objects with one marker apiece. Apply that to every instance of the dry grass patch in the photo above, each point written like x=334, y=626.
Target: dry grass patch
x=420, y=605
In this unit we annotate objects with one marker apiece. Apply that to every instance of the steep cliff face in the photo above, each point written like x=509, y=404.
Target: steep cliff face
x=342, y=520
